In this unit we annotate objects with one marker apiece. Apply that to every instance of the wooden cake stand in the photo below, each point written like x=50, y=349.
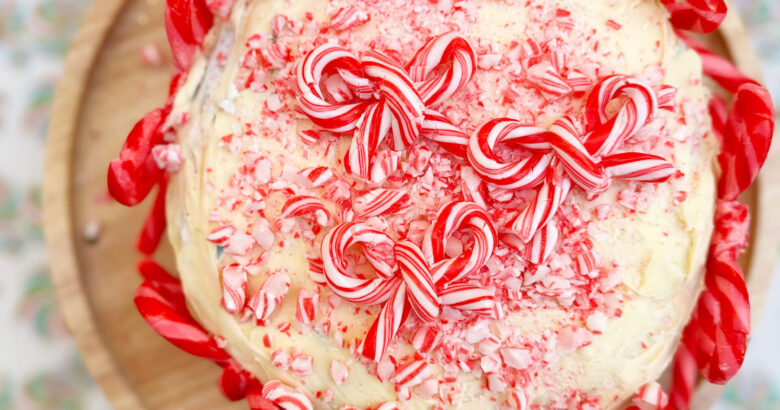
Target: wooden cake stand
x=106, y=88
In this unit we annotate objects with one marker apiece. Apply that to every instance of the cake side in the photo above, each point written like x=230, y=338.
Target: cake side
x=651, y=240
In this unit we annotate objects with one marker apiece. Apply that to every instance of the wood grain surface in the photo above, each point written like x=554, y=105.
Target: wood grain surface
x=105, y=89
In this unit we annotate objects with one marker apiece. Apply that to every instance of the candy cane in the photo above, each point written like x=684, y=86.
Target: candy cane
x=346, y=18
x=517, y=400
x=317, y=271
x=425, y=281
x=542, y=244
x=387, y=102
x=451, y=217
x=403, y=99
x=574, y=157
x=385, y=163
x=439, y=128
x=381, y=201
x=234, y=281
x=522, y=174
x=543, y=206
x=412, y=373
x=561, y=152
x=356, y=290
x=468, y=298
x=651, y=395
x=427, y=338
x=609, y=134
x=472, y=186
x=685, y=368
x=585, y=261
x=637, y=166
x=186, y=24
x=419, y=282
x=546, y=79
x=327, y=58
x=446, y=47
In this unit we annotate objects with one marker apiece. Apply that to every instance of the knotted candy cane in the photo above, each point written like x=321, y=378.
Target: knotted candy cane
x=568, y=153
x=522, y=174
x=450, y=218
x=413, y=281
x=357, y=290
x=385, y=99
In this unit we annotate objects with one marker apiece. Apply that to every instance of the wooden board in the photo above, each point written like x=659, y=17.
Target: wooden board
x=104, y=90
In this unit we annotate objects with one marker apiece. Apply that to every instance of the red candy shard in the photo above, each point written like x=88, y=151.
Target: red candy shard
x=186, y=23
x=134, y=173
x=701, y=16
x=167, y=319
x=747, y=137
x=155, y=224
x=235, y=382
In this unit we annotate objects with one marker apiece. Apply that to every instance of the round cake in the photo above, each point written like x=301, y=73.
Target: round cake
x=454, y=204
x=378, y=201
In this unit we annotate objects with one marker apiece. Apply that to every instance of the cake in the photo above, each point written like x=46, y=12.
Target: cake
x=440, y=204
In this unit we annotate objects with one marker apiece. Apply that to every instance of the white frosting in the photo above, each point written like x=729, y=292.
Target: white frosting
x=659, y=251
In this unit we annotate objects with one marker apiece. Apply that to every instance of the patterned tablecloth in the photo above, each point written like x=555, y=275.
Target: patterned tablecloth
x=39, y=366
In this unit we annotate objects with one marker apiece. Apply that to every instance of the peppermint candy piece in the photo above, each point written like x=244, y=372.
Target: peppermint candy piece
x=304, y=205
x=381, y=201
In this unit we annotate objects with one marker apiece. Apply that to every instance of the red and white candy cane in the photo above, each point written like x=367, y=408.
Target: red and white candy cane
x=607, y=135
x=412, y=281
x=381, y=201
x=523, y=174
x=384, y=98
x=567, y=153
x=447, y=47
x=352, y=289
x=449, y=219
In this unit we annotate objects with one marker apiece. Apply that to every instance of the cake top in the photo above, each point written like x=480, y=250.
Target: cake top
x=451, y=183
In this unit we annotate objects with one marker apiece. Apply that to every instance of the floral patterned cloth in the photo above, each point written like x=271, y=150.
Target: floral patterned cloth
x=39, y=366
